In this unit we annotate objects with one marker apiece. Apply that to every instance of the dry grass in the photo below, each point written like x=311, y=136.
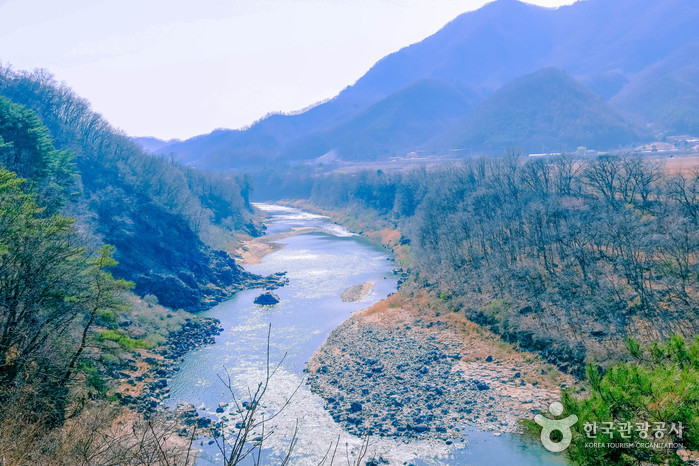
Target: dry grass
x=100, y=434
x=679, y=164
x=254, y=250
x=148, y=319
x=389, y=237
x=476, y=342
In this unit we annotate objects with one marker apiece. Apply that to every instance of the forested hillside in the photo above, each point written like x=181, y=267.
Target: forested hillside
x=159, y=215
x=74, y=196
x=56, y=296
x=566, y=257
x=667, y=92
x=53, y=296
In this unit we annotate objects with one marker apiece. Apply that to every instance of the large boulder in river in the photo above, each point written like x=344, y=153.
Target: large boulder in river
x=267, y=298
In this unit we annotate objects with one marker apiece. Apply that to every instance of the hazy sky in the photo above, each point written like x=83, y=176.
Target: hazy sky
x=177, y=68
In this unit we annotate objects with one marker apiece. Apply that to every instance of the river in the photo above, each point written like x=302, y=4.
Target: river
x=319, y=266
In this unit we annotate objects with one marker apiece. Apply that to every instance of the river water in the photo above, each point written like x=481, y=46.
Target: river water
x=319, y=267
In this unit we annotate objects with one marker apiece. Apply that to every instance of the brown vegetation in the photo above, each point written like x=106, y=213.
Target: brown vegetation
x=566, y=256
x=477, y=342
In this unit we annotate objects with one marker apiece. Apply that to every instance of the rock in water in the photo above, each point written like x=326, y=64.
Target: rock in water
x=267, y=299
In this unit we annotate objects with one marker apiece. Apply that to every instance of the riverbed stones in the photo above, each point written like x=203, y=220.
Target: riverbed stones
x=481, y=386
x=194, y=333
x=385, y=382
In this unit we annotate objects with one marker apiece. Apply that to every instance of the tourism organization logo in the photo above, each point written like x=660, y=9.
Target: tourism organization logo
x=614, y=434
x=549, y=426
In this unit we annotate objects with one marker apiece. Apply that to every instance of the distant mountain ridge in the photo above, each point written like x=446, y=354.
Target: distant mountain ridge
x=392, y=126
x=151, y=144
x=541, y=111
x=616, y=49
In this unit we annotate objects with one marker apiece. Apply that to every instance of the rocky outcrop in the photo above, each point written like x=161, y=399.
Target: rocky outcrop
x=193, y=334
x=164, y=257
x=267, y=299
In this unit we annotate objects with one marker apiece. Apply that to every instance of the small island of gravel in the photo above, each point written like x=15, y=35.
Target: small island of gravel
x=356, y=292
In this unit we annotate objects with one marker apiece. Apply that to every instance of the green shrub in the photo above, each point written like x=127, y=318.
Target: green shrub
x=124, y=340
x=661, y=385
x=93, y=381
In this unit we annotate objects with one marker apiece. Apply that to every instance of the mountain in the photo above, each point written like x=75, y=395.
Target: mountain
x=541, y=111
x=609, y=47
x=393, y=126
x=666, y=93
x=151, y=144
x=156, y=213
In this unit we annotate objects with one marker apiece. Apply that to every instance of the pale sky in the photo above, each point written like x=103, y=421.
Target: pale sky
x=178, y=68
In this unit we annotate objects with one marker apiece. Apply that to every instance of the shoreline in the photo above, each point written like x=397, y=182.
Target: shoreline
x=253, y=250
x=144, y=386
x=456, y=371
x=407, y=367
x=143, y=389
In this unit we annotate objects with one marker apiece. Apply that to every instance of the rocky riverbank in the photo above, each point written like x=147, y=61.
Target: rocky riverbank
x=270, y=282
x=408, y=368
x=254, y=250
x=144, y=382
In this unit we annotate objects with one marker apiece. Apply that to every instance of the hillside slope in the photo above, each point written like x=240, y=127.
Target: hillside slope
x=666, y=93
x=543, y=111
x=392, y=126
x=153, y=211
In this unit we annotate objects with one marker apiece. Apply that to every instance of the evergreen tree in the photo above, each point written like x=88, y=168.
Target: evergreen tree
x=51, y=294
x=29, y=151
x=656, y=395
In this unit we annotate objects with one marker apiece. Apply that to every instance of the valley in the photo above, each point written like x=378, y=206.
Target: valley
x=485, y=250
x=306, y=316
